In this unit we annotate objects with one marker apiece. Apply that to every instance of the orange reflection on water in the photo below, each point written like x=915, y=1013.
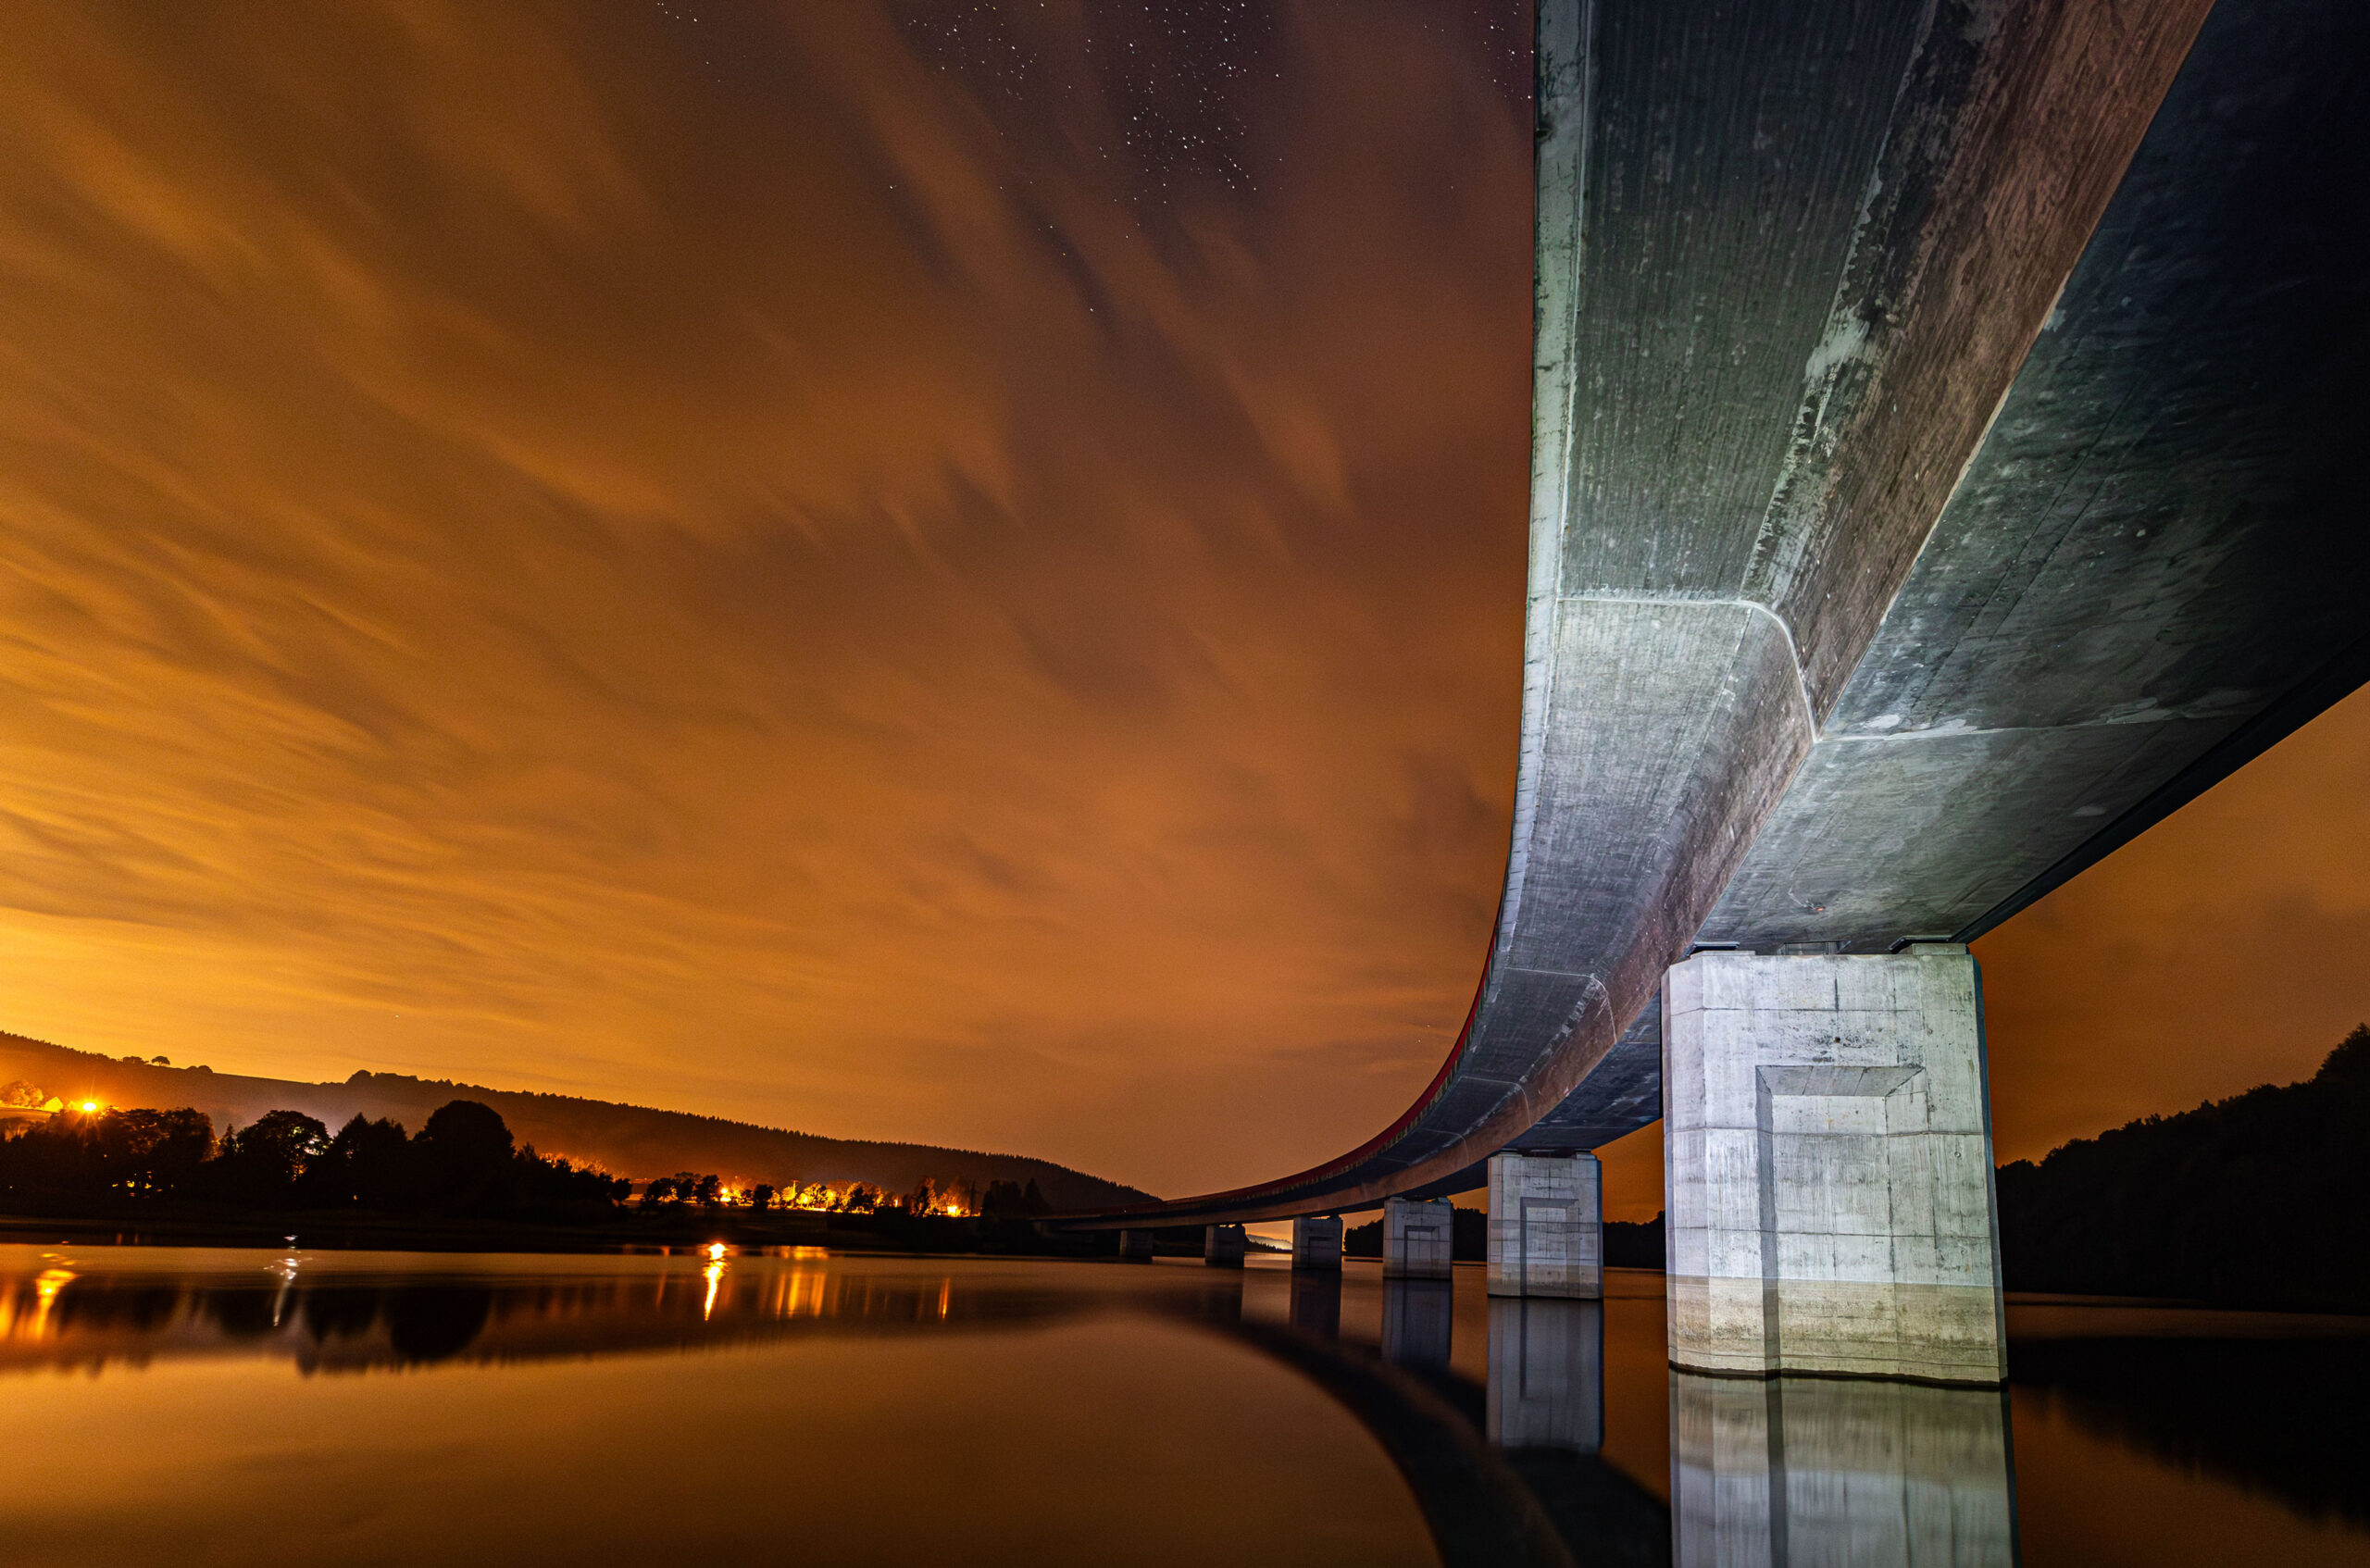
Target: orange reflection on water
x=798, y=1292
x=24, y=1315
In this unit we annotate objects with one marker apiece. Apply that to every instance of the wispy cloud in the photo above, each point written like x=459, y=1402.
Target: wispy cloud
x=801, y=587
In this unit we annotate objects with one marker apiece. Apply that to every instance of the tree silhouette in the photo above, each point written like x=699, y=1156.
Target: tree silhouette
x=462, y=1162
x=261, y=1161
x=368, y=1164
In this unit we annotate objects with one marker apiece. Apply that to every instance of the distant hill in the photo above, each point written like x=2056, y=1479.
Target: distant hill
x=2261, y=1198
x=627, y=1139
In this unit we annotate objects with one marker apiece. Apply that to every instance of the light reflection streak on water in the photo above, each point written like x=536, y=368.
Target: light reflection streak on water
x=797, y=1293
x=20, y=1320
x=286, y=1269
x=714, y=1274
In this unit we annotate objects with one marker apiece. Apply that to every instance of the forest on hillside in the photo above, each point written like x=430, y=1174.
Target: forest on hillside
x=96, y=1161
x=638, y=1141
x=2263, y=1200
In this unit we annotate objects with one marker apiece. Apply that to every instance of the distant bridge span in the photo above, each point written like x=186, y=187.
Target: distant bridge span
x=1948, y=460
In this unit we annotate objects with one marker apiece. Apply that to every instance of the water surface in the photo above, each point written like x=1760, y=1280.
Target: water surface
x=201, y=1406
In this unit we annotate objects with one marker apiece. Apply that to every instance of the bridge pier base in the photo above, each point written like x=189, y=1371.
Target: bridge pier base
x=1135, y=1246
x=1317, y=1242
x=1416, y=1238
x=1546, y=1225
x=1827, y=1136
x=1224, y=1245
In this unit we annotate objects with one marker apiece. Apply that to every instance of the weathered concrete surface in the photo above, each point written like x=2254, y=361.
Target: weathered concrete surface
x=1837, y=1470
x=2159, y=538
x=1790, y=261
x=2153, y=569
x=1317, y=1242
x=1223, y=1246
x=1546, y=1225
x=1416, y=1238
x=1827, y=1146
x=1135, y=1246
x=1546, y=1375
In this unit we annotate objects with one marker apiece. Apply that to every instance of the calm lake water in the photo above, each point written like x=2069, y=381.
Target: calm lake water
x=200, y=1406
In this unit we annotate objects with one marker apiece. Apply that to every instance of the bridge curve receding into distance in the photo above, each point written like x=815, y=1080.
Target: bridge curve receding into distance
x=1947, y=462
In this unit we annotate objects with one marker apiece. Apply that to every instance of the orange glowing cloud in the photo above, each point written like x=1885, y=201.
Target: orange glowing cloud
x=797, y=587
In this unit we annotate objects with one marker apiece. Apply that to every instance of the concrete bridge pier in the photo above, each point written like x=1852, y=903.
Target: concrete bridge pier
x=1828, y=1166
x=1546, y=1375
x=1317, y=1242
x=1135, y=1246
x=1546, y=1225
x=1224, y=1245
x=1417, y=1237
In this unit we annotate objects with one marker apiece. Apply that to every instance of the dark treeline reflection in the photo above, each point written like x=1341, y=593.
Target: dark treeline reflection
x=338, y=1321
x=1503, y=1475
x=2285, y=1418
x=1507, y=1467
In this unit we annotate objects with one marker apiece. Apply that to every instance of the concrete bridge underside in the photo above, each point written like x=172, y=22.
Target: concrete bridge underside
x=1945, y=446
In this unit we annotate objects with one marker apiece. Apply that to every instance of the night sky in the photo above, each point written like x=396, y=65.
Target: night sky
x=929, y=571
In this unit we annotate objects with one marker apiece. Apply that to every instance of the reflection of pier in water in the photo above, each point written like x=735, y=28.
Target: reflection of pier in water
x=1506, y=1472
x=1504, y=1463
x=1768, y=1471
x=1487, y=1503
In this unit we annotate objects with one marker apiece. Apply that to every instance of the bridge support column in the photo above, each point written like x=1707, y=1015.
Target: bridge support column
x=1135, y=1246
x=1224, y=1245
x=1546, y=1225
x=1417, y=1237
x=1317, y=1242
x=1828, y=1177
